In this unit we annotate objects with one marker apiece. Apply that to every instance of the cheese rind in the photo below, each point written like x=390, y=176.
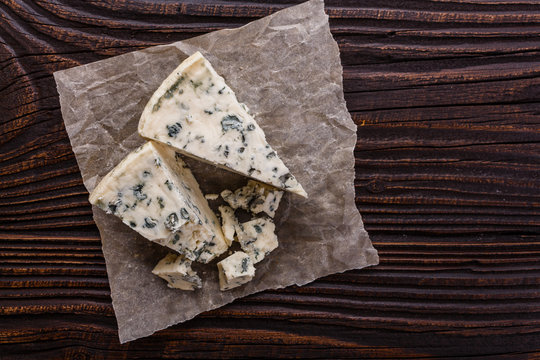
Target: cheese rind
x=153, y=191
x=197, y=113
x=257, y=238
x=255, y=197
x=229, y=222
x=177, y=271
x=235, y=270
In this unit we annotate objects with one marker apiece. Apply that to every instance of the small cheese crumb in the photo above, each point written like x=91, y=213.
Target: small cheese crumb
x=176, y=270
x=235, y=270
x=229, y=222
x=255, y=197
x=211, y=196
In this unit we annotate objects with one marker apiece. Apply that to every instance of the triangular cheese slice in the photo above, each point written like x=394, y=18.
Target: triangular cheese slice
x=154, y=192
x=195, y=112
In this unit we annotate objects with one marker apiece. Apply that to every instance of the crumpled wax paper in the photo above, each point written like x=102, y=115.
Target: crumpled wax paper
x=286, y=68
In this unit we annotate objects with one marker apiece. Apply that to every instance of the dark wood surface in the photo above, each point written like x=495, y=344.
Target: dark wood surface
x=446, y=95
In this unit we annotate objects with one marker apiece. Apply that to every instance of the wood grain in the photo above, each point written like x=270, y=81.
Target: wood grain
x=446, y=96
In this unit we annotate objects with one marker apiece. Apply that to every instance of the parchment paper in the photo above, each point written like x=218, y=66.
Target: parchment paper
x=286, y=68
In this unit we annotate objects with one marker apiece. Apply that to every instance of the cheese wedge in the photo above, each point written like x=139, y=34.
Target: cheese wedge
x=153, y=191
x=198, y=114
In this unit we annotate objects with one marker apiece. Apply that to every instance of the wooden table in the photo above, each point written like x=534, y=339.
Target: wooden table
x=446, y=96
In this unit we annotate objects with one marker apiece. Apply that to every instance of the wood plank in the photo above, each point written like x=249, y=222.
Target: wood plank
x=445, y=94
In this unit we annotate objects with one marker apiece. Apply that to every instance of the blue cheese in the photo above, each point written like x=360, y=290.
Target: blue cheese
x=153, y=191
x=229, y=222
x=257, y=238
x=211, y=196
x=176, y=270
x=255, y=197
x=197, y=113
x=235, y=270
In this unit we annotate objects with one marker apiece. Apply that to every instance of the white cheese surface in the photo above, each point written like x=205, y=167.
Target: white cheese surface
x=196, y=112
x=257, y=238
x=153, y=191
x=177, y=271
x=235, y=270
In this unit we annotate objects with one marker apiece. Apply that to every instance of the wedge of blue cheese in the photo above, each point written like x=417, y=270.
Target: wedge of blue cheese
x=197, y=113
x=177, y=271
x=255, y=197
x=257, y=238
x=229, y=223
x=154, y=192
x=235, y=270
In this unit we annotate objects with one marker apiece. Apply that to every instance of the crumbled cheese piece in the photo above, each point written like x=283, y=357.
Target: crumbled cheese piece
x=255, y=197
x=235, y=270
x=229, y=222
x=176, y=270
x=257, y=238
x=236, y=199
x=196, y=112
x=153, y=191
x=211, y=196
